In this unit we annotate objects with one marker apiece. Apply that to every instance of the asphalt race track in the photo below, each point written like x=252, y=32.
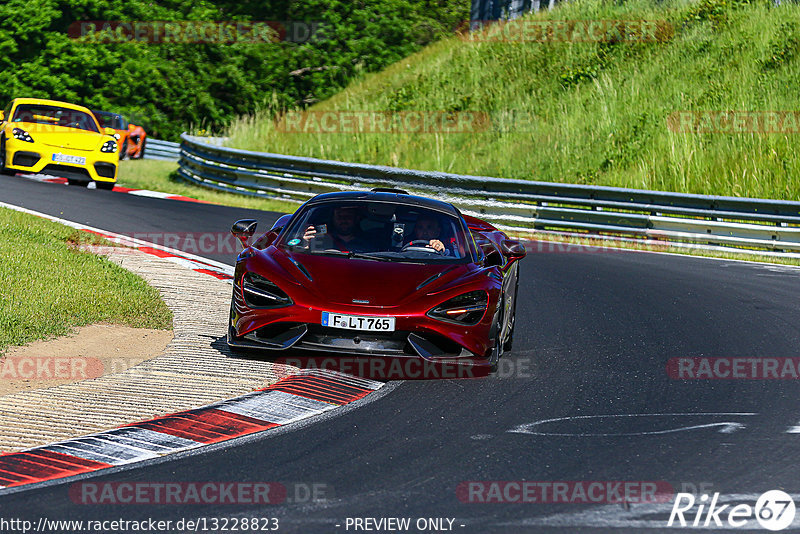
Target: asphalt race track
x=595, y=332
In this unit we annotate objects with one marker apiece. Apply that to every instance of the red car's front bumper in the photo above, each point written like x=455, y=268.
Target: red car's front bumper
x=299, y=324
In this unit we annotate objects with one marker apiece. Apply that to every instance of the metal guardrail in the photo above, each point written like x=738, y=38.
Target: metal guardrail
x=167, y=150
x=518, y=205
x=163, y=150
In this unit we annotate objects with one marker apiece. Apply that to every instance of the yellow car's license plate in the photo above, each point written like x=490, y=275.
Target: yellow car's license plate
x=66, y=158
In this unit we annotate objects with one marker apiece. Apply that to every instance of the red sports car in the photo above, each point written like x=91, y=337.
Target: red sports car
x=378, y=273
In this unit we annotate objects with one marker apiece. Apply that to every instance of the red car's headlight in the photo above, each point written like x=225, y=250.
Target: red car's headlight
x=466, y=309
x=261, y=293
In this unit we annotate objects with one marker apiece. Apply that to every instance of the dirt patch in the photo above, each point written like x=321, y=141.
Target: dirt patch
x=93, y=351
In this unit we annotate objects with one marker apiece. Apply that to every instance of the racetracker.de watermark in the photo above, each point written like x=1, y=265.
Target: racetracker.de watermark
x=50, y=368
x=734, y=368
x=414, y=368
x=194, y=32
x=569, y=31
x=406, y=122
x=568, y=492
x=14, y=367
x=566, y=247
x=411, y=122
x=191, y=242
x=734, y=122
x=177, y=493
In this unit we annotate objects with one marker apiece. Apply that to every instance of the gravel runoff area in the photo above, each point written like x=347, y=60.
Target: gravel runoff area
x=196, y=368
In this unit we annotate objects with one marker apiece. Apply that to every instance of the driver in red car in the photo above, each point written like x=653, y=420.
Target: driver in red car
x=428, y=228
x=344, y=235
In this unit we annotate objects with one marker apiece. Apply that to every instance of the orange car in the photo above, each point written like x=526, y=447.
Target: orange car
x=117, y=123
x=131, y=138
x=137, y=139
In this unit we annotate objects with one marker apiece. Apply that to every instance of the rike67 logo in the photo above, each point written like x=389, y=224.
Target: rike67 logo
x=774, y=510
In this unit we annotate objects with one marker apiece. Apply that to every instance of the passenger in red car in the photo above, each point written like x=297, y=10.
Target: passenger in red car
x=344, y=235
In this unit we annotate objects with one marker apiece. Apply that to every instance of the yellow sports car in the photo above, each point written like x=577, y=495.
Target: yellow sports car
x=57, y=138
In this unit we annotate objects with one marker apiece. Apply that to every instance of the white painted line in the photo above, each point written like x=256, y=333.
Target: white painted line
x=91, y=185
x=123, y=239
x=300, y=402
x=271, y=407
x=148, y=193
x=147, y=439
x=189, y=264
x=117, y=451
x=726, y=427
x=43, y=178
x=64, y=448
x=118, y=441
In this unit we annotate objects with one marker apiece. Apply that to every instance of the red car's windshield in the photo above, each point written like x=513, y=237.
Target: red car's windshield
x=381, y=230
x=55, y=116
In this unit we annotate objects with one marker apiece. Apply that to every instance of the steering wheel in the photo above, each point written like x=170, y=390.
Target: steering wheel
x=420, y=244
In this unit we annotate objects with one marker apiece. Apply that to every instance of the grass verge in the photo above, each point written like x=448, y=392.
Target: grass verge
x=157, y=175
x=49, y=286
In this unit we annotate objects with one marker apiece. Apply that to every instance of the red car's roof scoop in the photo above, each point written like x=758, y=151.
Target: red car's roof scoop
x=389, y=190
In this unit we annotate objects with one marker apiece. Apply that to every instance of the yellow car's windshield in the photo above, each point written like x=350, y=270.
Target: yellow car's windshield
x=55, y=116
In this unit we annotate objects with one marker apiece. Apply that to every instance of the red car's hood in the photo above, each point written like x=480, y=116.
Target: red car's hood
x=343, y=280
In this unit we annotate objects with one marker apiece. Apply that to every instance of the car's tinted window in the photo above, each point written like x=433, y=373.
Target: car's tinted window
x=54, y=116
x=111, y=120
x=385, y=230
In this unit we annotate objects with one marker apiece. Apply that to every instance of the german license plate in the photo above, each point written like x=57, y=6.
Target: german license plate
x=66, y=158
x=358, y=322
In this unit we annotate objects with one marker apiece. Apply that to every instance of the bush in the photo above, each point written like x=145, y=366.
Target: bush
x=170, y=87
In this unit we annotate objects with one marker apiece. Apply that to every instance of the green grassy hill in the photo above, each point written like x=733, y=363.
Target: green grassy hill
x=594, y=113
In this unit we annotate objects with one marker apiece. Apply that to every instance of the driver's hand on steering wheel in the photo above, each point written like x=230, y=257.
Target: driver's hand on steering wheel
x=436, y=245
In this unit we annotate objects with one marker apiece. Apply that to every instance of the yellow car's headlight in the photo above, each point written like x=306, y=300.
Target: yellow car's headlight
x=109, y=146
x=22, y=135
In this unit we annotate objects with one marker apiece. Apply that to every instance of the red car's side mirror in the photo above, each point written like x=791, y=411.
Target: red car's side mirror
x=512, y=249
x=243, y=230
